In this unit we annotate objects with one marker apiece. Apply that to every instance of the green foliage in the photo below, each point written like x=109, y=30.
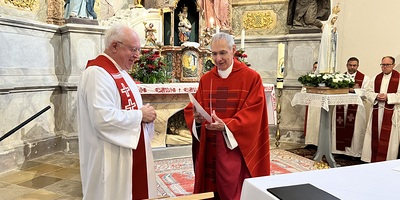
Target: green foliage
x=150, y=68
x=335, y=80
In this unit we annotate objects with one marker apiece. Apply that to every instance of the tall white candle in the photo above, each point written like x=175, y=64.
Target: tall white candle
x=242, y=39
x=217, y=29
x=212, y=22
x=281, y=64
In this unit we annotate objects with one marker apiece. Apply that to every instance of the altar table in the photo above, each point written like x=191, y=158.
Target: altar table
x=365, y=181
x=184, y=88
x=326, y=103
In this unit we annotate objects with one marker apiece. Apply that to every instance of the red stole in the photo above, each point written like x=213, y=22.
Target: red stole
x=305, y=121
x=128, y=102
x=345, y=125
x=380, y=144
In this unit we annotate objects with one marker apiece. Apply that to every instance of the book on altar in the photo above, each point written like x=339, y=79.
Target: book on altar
x=199, y=108
x=305, y=191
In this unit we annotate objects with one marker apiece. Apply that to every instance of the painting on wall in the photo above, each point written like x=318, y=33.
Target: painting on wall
x=190, y=65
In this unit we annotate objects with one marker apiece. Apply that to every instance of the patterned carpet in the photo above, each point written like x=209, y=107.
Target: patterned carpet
x=175, y=176
x=341, y=160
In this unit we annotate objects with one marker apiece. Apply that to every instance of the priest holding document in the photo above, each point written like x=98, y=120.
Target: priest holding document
x=235, y=144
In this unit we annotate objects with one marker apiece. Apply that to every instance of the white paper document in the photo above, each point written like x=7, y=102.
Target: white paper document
x=199, y=109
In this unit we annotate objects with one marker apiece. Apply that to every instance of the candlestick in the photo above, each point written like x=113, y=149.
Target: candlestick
x=242, y=39
x=281, y=65
x=212, y=22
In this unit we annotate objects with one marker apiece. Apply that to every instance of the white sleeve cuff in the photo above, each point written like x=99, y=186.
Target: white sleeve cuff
x=194, y=130
x=230, y=140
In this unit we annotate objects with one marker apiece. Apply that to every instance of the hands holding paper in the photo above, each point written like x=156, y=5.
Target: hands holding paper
x=199, y=114
x=217, y=125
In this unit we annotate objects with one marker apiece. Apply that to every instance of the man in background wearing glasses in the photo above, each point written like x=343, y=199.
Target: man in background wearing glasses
x=382, y=136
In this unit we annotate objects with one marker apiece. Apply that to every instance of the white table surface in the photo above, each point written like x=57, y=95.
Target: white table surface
x=375, y=181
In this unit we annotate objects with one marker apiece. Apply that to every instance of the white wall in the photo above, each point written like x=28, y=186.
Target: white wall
x=368, y=30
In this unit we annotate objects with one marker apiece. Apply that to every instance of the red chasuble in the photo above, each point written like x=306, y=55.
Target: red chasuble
x=380, y=144
x=128, y=102
x=240, y=102
x=345, y=124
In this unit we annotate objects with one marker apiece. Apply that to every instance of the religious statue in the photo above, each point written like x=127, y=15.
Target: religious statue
x=184, y=26
x=328, y=47
x=308, y=13
x=80, y=9
x=206, y=37
x=219, y=10
x=138, y=3
x=150, y=37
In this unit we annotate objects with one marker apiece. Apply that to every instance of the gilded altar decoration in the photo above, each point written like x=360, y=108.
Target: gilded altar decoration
x=150, y=68
x=22, y=3
x=259, y=20
x=206, y=37
x=55, y=14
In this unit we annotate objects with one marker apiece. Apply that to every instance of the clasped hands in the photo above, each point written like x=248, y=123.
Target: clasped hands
x=148, y=113
x=381, y=97
x=216, y=125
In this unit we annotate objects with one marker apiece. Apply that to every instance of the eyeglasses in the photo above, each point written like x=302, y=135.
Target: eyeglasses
x=132, y=49
x=386, y=65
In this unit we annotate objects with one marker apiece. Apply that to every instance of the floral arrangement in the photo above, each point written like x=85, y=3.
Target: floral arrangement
x=150, y=68
x=335, y=80
x=241, y=56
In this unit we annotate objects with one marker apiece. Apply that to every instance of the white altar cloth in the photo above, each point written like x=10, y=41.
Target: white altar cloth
x=183, y=88
x=326, y=103
x=366, y=181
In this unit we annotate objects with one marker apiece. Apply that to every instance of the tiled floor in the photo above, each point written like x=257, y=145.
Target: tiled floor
x=56, y=176
x=50, y=177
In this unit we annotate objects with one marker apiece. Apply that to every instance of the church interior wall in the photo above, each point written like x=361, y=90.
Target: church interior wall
x=368, y=30
x=40, y=65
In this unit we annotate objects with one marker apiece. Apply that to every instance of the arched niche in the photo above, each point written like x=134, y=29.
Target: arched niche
x=171, y=20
